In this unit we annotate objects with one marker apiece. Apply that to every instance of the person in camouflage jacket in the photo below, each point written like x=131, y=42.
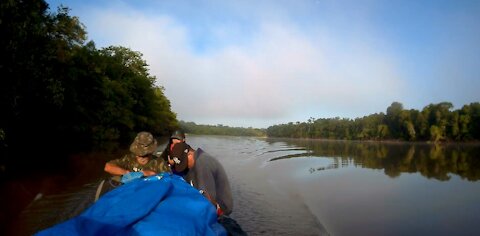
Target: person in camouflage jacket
x=139, y=159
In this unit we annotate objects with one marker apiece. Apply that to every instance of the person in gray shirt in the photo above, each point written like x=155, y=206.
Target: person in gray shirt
x=205, y=173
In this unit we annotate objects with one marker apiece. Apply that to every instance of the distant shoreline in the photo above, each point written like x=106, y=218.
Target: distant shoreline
x=390, y=141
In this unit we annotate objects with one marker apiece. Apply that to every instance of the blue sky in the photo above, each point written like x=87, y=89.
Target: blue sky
x=256, y=63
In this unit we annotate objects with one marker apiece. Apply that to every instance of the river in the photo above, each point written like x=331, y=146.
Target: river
x=315, y=187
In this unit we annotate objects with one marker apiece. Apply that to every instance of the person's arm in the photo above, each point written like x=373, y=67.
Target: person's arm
x=163, y=154
x=206, y=185
x=221, y=186
x=114, y=169
x=205, y=181
x=148, y=172
x=162, y=166
x=224, y=193
x=213, y=189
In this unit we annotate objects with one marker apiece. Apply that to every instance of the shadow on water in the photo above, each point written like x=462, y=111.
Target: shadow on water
x=36, y=190
x=430, y=160
x=54, y=191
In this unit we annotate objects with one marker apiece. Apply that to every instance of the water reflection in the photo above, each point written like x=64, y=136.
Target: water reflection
x=431, y=161
x=331, y=166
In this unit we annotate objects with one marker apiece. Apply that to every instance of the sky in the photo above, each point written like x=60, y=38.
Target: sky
x=258, y=63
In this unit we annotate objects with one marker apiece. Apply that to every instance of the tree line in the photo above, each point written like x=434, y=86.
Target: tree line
x=192, y=128
x=435, y=122
x=59, y=93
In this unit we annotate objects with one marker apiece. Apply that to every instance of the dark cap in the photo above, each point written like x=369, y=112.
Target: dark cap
x=144, y=144
x=178, y=134
x=179, y=155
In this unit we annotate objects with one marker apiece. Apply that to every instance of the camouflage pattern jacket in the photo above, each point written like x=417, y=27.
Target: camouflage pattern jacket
x=129, y=162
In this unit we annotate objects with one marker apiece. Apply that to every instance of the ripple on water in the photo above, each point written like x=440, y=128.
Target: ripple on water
x=260, y=207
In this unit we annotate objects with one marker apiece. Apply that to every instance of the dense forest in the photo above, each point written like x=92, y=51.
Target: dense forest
x=436, y=122
x=61, y=94
x=192, y=128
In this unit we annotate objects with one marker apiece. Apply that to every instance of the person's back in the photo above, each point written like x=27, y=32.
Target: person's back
x=209, y=175
x=205, y=173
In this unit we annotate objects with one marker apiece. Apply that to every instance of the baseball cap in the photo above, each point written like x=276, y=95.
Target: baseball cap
x=179, y=155
x=178, y=134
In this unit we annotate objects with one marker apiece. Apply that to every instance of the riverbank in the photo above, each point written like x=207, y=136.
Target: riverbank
x=391, y=141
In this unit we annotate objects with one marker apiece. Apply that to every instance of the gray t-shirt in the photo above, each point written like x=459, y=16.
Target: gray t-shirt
x=208, y=174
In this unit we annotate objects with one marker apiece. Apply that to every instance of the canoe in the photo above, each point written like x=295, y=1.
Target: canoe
x=158, y=205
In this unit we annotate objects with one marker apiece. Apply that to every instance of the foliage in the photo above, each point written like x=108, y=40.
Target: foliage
x=436, y=122
x=60, y=94
x=192, y=128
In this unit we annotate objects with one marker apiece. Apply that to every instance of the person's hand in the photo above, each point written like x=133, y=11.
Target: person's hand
x=213, y=201
x=219, y=210
x=170, y=161
x=149, y=173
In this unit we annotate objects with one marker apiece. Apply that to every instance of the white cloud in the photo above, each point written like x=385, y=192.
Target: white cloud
x=280, y=73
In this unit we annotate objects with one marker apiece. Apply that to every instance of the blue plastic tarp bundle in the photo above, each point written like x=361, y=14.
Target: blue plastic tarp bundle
x=157, y=205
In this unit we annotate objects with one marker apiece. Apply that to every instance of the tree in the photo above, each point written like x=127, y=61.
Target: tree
x=474, y=126
x=438, y=116
x=410, y=130
x=436, y=134
x=34, y=47
x=393, y=118
x=382, y=131
x=57, y=89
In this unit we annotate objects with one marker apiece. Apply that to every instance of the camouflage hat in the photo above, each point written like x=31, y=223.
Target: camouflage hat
x=143, y=144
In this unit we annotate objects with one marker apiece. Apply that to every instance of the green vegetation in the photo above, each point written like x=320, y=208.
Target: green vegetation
x=60, y=94
x=436, y=122
x=192, y=128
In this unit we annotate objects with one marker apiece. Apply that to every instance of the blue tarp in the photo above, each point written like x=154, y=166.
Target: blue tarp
x=159, y=205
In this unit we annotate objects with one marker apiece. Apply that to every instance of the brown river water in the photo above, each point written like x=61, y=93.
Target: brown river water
x=315, y=187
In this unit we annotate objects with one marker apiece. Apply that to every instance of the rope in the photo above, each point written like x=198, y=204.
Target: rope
x=99, y=190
